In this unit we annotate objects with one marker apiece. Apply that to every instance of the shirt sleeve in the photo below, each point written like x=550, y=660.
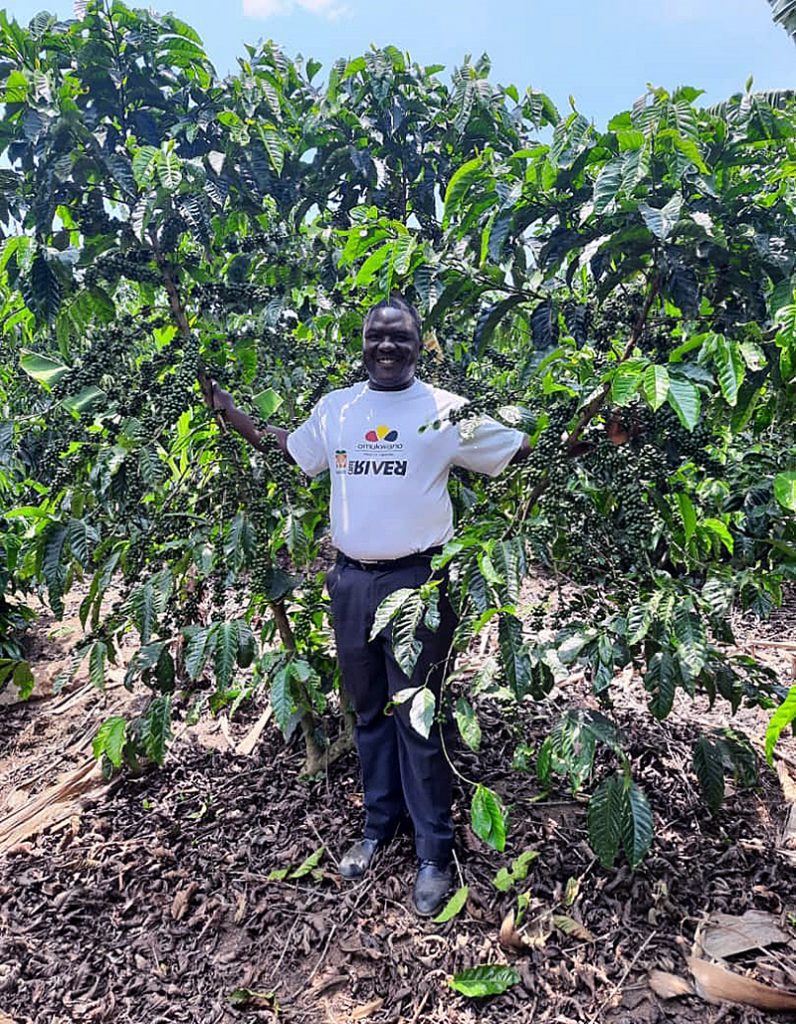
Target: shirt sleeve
x=307, y=443
x=486, y=446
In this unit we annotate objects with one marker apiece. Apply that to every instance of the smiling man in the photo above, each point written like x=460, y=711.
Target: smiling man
x=390, y=514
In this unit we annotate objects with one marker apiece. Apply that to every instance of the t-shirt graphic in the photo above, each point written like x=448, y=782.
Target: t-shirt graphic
x=390, y=477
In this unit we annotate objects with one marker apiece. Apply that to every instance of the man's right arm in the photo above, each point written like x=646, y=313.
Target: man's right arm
x=244, y=425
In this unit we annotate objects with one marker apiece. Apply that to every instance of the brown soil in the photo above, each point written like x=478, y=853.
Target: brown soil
x=154, y=905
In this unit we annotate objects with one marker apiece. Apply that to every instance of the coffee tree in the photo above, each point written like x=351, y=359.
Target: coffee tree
x=625, y=295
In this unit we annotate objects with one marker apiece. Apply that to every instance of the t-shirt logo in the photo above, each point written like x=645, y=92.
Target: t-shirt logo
x=340, y=461
x=381, y=433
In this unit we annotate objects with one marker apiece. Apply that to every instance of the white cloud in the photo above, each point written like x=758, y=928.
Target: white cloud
x=268, y=8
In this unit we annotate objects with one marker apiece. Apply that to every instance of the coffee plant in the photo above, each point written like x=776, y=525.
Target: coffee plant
x=625, y=296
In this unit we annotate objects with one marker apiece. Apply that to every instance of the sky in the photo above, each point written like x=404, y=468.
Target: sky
x=601, y=52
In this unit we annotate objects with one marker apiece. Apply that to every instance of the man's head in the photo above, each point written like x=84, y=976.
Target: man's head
x=391, y=343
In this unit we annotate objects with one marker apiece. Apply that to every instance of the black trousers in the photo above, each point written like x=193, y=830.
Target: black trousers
x=401, y=770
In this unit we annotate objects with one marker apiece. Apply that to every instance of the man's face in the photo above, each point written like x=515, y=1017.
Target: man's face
x=390, y=348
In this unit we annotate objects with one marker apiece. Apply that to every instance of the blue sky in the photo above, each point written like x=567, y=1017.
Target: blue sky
x=602, y=52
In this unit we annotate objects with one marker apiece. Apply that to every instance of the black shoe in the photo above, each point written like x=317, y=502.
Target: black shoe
x=356, y=860
x=433, y=883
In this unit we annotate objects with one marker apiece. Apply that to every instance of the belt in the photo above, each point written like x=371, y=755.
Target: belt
x=385, y=564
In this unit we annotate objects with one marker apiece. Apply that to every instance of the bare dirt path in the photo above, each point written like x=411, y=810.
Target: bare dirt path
x=153, y=903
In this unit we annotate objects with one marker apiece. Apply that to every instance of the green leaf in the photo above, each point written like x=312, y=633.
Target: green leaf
x=683, y=397
x=467, y=721
x=84, y=399
x=655, y=385
x=16, y=87
x=730, y=367
x=781, y=719
x=625, y=382
x=404, y=609
x=503, y=880
x=274, y=147
x=687, y=513
x=282, y=700
x=544, y=761
x=637, y=825
x=405, y=645
x=661, y=222
x=690, y=635
x=97, y=664
x=226, y=652
x=198, y=650
x=247, y=645
x=169, y=169
x=484, y=980
x=267, y=402
x=660, y=681
x=41, y=368
x=492, y=316
x=44, y=294
x=507, y=877
x=156, y=728
x=605, y=819
x=717, y=527
x=422, y=710
x=54, y=541
x=144, y=163
x=709, y=768
x=389, y=608
x=741, y=755
x=373, y=265
x=142, y=604
x=454, y=905
x=246, y=998
x=403, y=248
x=79, y=535
x=607, y=185
x=459, y=184
x=515, y=660
x=487, y=818
x=110, y=739
x=143, y=660
x=23, y=679
x=638, y=623
x=785, y=489
x=307, y=866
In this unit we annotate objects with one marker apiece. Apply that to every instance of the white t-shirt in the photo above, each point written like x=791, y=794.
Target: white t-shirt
x=389, y=478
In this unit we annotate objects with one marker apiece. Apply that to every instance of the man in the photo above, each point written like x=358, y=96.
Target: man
x=390, y=514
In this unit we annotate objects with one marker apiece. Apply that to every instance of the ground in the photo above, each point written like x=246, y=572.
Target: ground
x=149, y=900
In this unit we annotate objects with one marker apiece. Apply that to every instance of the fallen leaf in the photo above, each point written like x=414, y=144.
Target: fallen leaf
x=571, y=891
x=331, y=982
x=669, y=986
x=728, y=934
x=534, y=936
x=453, y=906
x=246, y=997
x=182, y=900
x=368, y=1009
x=569, y=926
x=716, y=984
x=508, y=936
x=787, y=783
x=20, y=848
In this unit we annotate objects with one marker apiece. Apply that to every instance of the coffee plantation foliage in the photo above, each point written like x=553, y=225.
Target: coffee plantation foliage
x=624, y=294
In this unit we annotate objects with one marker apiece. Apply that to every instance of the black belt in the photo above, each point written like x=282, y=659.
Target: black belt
x=385, y=564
